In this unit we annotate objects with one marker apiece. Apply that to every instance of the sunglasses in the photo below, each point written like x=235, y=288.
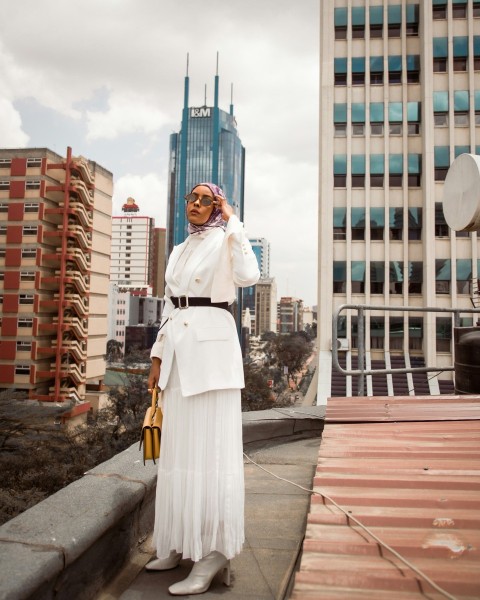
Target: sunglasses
x=204, y=200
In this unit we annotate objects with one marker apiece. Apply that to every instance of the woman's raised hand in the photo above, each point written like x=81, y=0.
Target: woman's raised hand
x=225, y=207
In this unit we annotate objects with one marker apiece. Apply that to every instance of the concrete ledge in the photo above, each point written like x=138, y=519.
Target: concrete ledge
x=72, y=543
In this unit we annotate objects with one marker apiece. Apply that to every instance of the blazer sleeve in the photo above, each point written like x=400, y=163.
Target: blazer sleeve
x=244, y=262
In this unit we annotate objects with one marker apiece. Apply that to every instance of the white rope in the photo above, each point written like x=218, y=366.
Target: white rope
x=349, y=516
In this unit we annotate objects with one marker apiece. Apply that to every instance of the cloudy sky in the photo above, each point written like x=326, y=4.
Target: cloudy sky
x=106, y=77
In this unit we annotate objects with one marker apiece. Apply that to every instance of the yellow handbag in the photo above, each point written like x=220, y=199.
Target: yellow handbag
x=152, y=428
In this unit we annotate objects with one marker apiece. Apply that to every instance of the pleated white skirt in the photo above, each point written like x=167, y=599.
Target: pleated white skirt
x=200, y=490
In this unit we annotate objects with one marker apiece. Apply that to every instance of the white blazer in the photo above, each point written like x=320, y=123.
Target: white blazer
x=204, y=339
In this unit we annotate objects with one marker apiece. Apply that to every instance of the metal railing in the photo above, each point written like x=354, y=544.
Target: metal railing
x=361, y=308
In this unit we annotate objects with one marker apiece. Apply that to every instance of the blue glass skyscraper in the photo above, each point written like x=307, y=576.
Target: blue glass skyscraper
x=207, y=148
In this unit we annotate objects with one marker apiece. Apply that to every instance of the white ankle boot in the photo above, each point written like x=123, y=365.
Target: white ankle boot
x=202, y=574
x=163, y=564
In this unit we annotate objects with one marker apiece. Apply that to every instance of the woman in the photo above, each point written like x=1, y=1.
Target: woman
x=197, y=361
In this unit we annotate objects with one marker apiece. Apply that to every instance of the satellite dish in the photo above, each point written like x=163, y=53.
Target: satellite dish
x=461, y=194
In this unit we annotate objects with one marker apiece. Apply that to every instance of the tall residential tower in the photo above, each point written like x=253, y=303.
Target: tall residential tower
x=55, y=224
x=400, y=99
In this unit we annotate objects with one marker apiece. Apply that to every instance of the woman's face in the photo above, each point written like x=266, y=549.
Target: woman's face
x=198, y=214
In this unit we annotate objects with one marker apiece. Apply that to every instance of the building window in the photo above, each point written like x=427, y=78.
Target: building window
x=441, y=162
x=376, y=31
x=442, y=230
x=358, y=129
x=340, y=170
x=340, y=129
x=377, y=277
x=3, y=230
x=414, y=171
x=460, y=53
x=396, y=277
x=376, y=129
x=4, y=185
x=26, y=299
x=394, y=20
x=439, y=11
x=358, y=276
x=22, y=370
x=413, y=18
x=3, y=207
x=415, y=277
x=29, y=253
x=31, y=207
x=358, y=22
x=443, y=334
x=358, y=223
x=459, y=10
x=376, y=21
x=442, y=275
x=341, y=23
x=440, y=65
x=464, y=276
x=24, y=346
x=413, y=68
x=395, y=170
x=396, y=224
x=377, y=170
x=358, y=170
x=440, y=119
x=34, y=162
x=340, y=71
x=2, y=252
x=339, y=223
x=25, y=322
x=339, y=277
x=5, y=163
x=27, y=276
x=32, y=185
x=415, y=223
x=395, y=117
x=377, y=222
x=30, y=230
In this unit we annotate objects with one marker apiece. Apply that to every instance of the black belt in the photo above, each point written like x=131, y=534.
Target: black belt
x=186, y=301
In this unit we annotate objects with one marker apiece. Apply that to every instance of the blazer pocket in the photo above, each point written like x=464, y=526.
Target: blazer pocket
x=208, y=334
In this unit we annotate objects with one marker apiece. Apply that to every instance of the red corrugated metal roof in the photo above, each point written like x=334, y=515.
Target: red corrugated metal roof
x=413, y=478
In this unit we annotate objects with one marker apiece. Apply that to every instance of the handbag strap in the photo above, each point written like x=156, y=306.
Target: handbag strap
x=154, y=398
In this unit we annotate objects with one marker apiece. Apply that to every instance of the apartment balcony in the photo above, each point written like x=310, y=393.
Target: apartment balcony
x=75, y=349
x=77, y=326
x=76, y=279
x=78, y=303
x=81, y=259
x=78, y=186
x=82, y=214
x=80, y=165
x=55, y=215
x=78, y=233
x=68, y=371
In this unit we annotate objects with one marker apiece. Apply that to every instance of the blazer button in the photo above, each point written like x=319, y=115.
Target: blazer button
x=185, y=323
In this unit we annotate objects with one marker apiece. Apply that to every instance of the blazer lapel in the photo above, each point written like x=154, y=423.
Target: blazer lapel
x=200, y=254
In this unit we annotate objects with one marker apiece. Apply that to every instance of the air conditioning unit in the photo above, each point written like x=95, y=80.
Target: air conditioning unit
x=343, y=345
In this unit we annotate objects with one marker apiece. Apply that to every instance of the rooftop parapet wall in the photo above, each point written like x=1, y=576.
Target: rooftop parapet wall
x=72, y=543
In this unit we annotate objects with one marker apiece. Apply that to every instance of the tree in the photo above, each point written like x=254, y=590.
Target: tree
x=291, y=351
x=256, y=395
x=114, y=351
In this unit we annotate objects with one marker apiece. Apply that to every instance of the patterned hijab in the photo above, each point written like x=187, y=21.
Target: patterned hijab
x=215, y=219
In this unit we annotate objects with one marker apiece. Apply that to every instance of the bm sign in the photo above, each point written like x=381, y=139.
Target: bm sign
x=203, y=111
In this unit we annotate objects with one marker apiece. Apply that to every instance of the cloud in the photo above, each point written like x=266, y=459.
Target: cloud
x=127, y=113
x=12, y=135
x=149, y=192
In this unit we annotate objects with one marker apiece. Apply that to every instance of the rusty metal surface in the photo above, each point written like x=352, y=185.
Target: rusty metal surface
x=410, y=476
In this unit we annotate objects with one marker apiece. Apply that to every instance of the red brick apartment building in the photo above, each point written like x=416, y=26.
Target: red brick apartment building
x=55, y=231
